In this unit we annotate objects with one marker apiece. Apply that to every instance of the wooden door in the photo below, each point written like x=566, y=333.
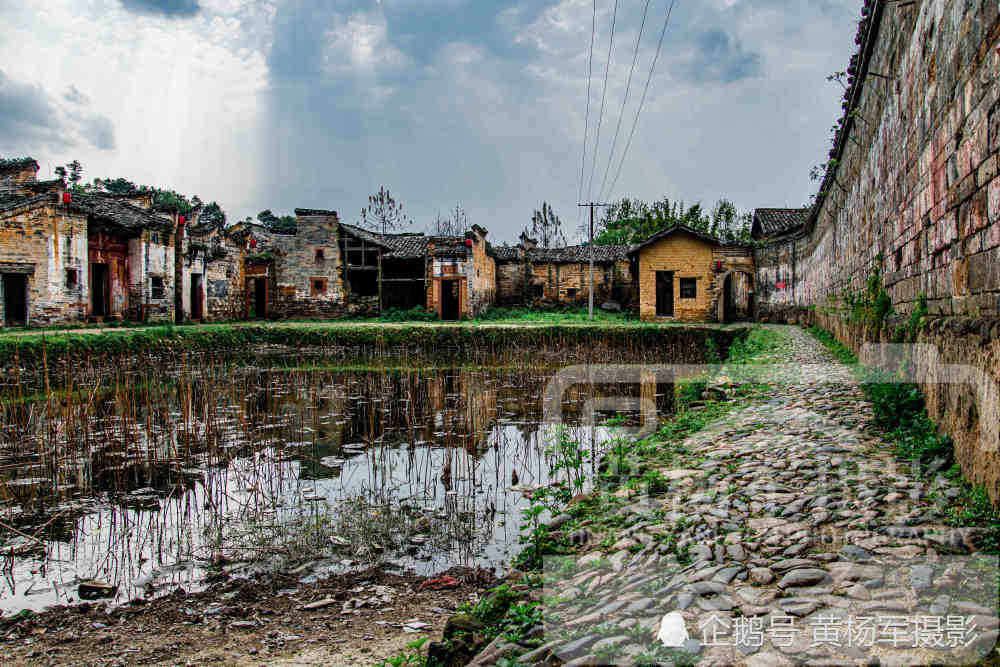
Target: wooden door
x=664, y=293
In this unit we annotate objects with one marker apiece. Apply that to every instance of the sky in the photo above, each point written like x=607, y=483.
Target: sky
x=281, y=104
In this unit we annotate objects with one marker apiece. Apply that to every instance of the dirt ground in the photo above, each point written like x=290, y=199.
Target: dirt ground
x=357, y=619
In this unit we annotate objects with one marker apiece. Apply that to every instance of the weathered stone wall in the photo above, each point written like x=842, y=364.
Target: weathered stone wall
x=296, y=269
x=45, y=243
x=218, y=259
x=482, y=277
x=522, y=283
x=914, y=193
x=151, y=257
x=511, y=282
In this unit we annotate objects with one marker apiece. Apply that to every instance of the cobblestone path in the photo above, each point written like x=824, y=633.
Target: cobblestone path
x=789, y=535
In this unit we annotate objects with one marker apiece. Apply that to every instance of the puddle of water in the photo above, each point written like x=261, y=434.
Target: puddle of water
x=163, y=476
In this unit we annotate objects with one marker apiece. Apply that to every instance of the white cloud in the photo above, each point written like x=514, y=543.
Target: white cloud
x=182, y=96
x=360, y=41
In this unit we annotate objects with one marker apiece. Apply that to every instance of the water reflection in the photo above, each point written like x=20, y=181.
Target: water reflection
x=157, y=479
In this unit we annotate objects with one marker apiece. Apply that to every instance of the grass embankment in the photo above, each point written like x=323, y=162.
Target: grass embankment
x=900, y=412
x=627, y=468
x=46, y=348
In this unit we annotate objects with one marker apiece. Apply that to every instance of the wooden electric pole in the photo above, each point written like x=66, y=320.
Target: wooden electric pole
x=592, y=206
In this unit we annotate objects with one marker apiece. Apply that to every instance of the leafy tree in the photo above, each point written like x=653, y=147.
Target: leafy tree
x=171, y=202
x=284, y=224
x=546, y=228
x=61, y=172
x=454, y=224
x=213, y=214
x=632, y=220
x=116, y=186
x=383, y=213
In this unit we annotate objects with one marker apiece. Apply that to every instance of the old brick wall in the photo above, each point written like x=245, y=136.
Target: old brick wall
x=52, y=242
x=520, y=283
x=151, y=256
x=510, y=283
x=482, y=273
x=296, y=267
x=915, y=193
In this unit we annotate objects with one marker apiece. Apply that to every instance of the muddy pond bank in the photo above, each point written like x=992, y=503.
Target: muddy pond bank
x=688, y=343
x=166, y=470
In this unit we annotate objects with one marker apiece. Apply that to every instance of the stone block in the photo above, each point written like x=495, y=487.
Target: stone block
x=984, y=271
x=994, y=200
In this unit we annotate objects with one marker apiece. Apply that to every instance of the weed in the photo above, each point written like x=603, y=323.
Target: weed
x=521, y=619
x=411, y=657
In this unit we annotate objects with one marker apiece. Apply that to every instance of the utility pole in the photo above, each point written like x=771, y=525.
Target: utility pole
x=592, y=206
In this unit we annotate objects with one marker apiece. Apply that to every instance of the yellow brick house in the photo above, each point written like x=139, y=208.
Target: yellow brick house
x=687, y=275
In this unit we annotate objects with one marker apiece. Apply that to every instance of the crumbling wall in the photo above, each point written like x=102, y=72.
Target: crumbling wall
x=305, y=286
x=46, y=244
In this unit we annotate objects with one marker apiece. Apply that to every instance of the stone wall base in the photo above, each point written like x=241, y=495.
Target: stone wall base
x=948, y=347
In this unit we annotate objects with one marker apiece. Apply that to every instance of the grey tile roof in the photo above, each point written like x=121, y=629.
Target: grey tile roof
x=578, y=253
x=103, y=211
x=775, y=221
x=10, y=201
x=405, y=246
x=116, y=213
x=506, y=253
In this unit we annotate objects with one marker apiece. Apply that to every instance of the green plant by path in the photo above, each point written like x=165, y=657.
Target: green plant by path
x=412, y=656
x=900, y=411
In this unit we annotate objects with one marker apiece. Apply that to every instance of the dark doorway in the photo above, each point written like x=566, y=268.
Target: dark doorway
x=15, y=299
x=99, y=290
x=197, y=306
x=737, y=297
x=259, y=298
x=449, y=299
x=664, y=293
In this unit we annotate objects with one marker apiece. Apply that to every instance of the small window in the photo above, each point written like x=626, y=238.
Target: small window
x=320, y=256
x=156, y=290
x=318, y=286
x=155, y=237
x=689, y=288
x=72, y=277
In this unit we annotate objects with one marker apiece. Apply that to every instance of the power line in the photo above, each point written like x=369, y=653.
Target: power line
x=638, y=111
x=621, y=114
x=590, y=74
x=600, y=118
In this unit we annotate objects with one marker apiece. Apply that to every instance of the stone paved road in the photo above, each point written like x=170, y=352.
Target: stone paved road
x=806, y=543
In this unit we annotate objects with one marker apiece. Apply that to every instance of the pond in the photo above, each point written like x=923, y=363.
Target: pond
x=156, y=473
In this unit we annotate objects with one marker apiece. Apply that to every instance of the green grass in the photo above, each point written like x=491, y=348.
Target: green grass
x=901, y=413
x=32, y=349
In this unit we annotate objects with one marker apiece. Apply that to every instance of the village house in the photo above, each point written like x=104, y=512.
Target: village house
x=68, y=256
x=782, y=236
x=210, y=270
x=529, y=275
x=462, y=275
x=685, y=274
x=332, y=269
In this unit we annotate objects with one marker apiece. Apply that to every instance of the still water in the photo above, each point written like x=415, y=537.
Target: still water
x=151, y=475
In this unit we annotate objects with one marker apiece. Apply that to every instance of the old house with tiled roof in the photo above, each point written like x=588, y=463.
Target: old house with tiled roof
x=328, y=268
x=781, y=233
x=685, y=274
x=530, y=275
x=68, y=257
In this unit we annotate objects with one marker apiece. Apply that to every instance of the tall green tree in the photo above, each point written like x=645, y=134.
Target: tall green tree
x=632, y=220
